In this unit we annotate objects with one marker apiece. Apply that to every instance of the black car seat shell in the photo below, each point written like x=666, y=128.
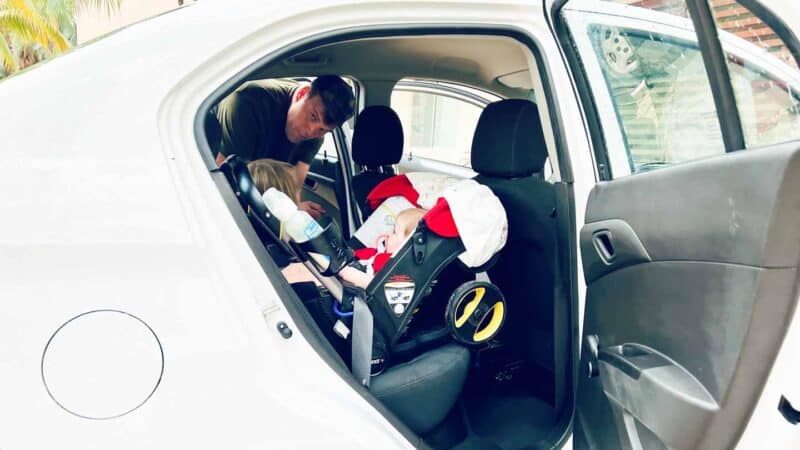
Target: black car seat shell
x=377, y=146
x=509, y=153
x=420, y=391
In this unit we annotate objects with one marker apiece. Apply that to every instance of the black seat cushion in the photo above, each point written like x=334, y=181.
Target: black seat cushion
x=422, y=391
x=524, y=271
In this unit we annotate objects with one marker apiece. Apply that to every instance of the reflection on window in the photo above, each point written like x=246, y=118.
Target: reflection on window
x=436, y=126
x=661, y=95
x=674, y=7
x=769, y=108
x=735, y=19
x=767, y=102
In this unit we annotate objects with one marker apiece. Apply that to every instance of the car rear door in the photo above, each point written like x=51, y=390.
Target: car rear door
x=691, y=242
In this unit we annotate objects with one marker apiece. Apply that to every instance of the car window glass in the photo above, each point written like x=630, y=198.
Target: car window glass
x=764, y=75
x=436, y=126
x=661, y=96
x=648, y=81
x=328, y=149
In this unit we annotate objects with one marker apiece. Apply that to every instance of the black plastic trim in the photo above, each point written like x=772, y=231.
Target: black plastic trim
x=788, y=412
x=583, y=91
x=719, y=78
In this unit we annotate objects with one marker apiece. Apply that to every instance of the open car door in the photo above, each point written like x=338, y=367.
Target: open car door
x=691, y=276
x=691, y=269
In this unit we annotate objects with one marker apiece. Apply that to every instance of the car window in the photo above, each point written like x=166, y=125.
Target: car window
x=438, y=124
x=764, y=75
x=651, y=90
x=660, y=94
x=648, y=81
x=328, y=149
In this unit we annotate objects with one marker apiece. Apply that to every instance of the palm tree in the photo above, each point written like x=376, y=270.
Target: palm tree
x=32, y=30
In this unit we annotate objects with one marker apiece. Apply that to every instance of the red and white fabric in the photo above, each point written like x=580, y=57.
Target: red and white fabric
x=456, y=207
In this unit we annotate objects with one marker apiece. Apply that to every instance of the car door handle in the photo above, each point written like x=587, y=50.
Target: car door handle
x=604, y=245
x=609, y=245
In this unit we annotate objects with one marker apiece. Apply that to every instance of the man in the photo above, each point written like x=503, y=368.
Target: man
x=283, y=120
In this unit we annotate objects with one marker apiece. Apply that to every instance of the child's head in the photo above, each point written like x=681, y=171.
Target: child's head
x=404, y=225
x=269, y=173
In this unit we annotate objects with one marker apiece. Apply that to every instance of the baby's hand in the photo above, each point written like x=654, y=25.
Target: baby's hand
x=380, y=242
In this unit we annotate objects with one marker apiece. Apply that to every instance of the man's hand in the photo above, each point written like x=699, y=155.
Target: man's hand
x=314, y=209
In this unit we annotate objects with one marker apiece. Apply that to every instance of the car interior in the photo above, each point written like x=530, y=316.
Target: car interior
x=514, y=390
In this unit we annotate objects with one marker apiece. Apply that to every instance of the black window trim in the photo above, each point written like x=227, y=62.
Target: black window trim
x=719, y=78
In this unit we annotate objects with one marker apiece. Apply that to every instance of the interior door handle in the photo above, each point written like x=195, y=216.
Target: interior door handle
x=604, y=245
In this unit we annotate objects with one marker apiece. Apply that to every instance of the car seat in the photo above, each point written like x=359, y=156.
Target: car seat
x=423, y=390
x=509, y=153
x=377, y=146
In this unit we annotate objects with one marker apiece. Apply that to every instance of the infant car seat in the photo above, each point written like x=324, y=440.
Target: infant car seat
x=420, y=391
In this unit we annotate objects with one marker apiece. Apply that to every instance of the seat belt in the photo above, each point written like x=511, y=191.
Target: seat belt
x=361, y=357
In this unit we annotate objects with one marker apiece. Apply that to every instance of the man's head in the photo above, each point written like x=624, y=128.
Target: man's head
x=318, y=108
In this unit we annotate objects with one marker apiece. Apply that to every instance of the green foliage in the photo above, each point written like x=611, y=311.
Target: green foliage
x=33, y=30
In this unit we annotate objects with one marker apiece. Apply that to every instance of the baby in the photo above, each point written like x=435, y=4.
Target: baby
x=269, y=173
x=373, y=258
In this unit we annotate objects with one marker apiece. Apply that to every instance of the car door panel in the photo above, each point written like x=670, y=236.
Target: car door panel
x=320, y=186
x=706, y=280
x=609, y=245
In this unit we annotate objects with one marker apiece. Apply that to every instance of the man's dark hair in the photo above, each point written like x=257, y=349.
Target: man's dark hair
x=337, y=98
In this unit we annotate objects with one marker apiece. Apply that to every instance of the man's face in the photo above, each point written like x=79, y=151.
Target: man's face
x=305, y=118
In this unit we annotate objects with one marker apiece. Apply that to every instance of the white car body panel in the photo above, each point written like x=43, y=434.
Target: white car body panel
x=114, y=203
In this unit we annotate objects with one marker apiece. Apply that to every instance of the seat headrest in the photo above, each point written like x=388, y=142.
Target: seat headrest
x=509, y=140
x=378, y=137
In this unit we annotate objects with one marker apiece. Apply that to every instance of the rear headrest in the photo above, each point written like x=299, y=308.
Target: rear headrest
x=509, y=141
x=378, y=137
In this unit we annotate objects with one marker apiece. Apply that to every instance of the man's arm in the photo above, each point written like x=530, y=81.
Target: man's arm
x=314, y=209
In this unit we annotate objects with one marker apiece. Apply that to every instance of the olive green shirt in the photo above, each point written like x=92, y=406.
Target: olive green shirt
x=253, y=123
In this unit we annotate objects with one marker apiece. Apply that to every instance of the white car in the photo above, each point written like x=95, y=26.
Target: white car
x=650, y=274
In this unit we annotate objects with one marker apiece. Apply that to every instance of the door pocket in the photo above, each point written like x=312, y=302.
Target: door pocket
x=647, y=387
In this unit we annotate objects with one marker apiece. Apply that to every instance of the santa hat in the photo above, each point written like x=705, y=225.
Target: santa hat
x=462, y=208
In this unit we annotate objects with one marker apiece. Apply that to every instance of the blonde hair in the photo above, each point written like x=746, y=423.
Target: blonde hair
x=269, y=173
x=408, y=219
